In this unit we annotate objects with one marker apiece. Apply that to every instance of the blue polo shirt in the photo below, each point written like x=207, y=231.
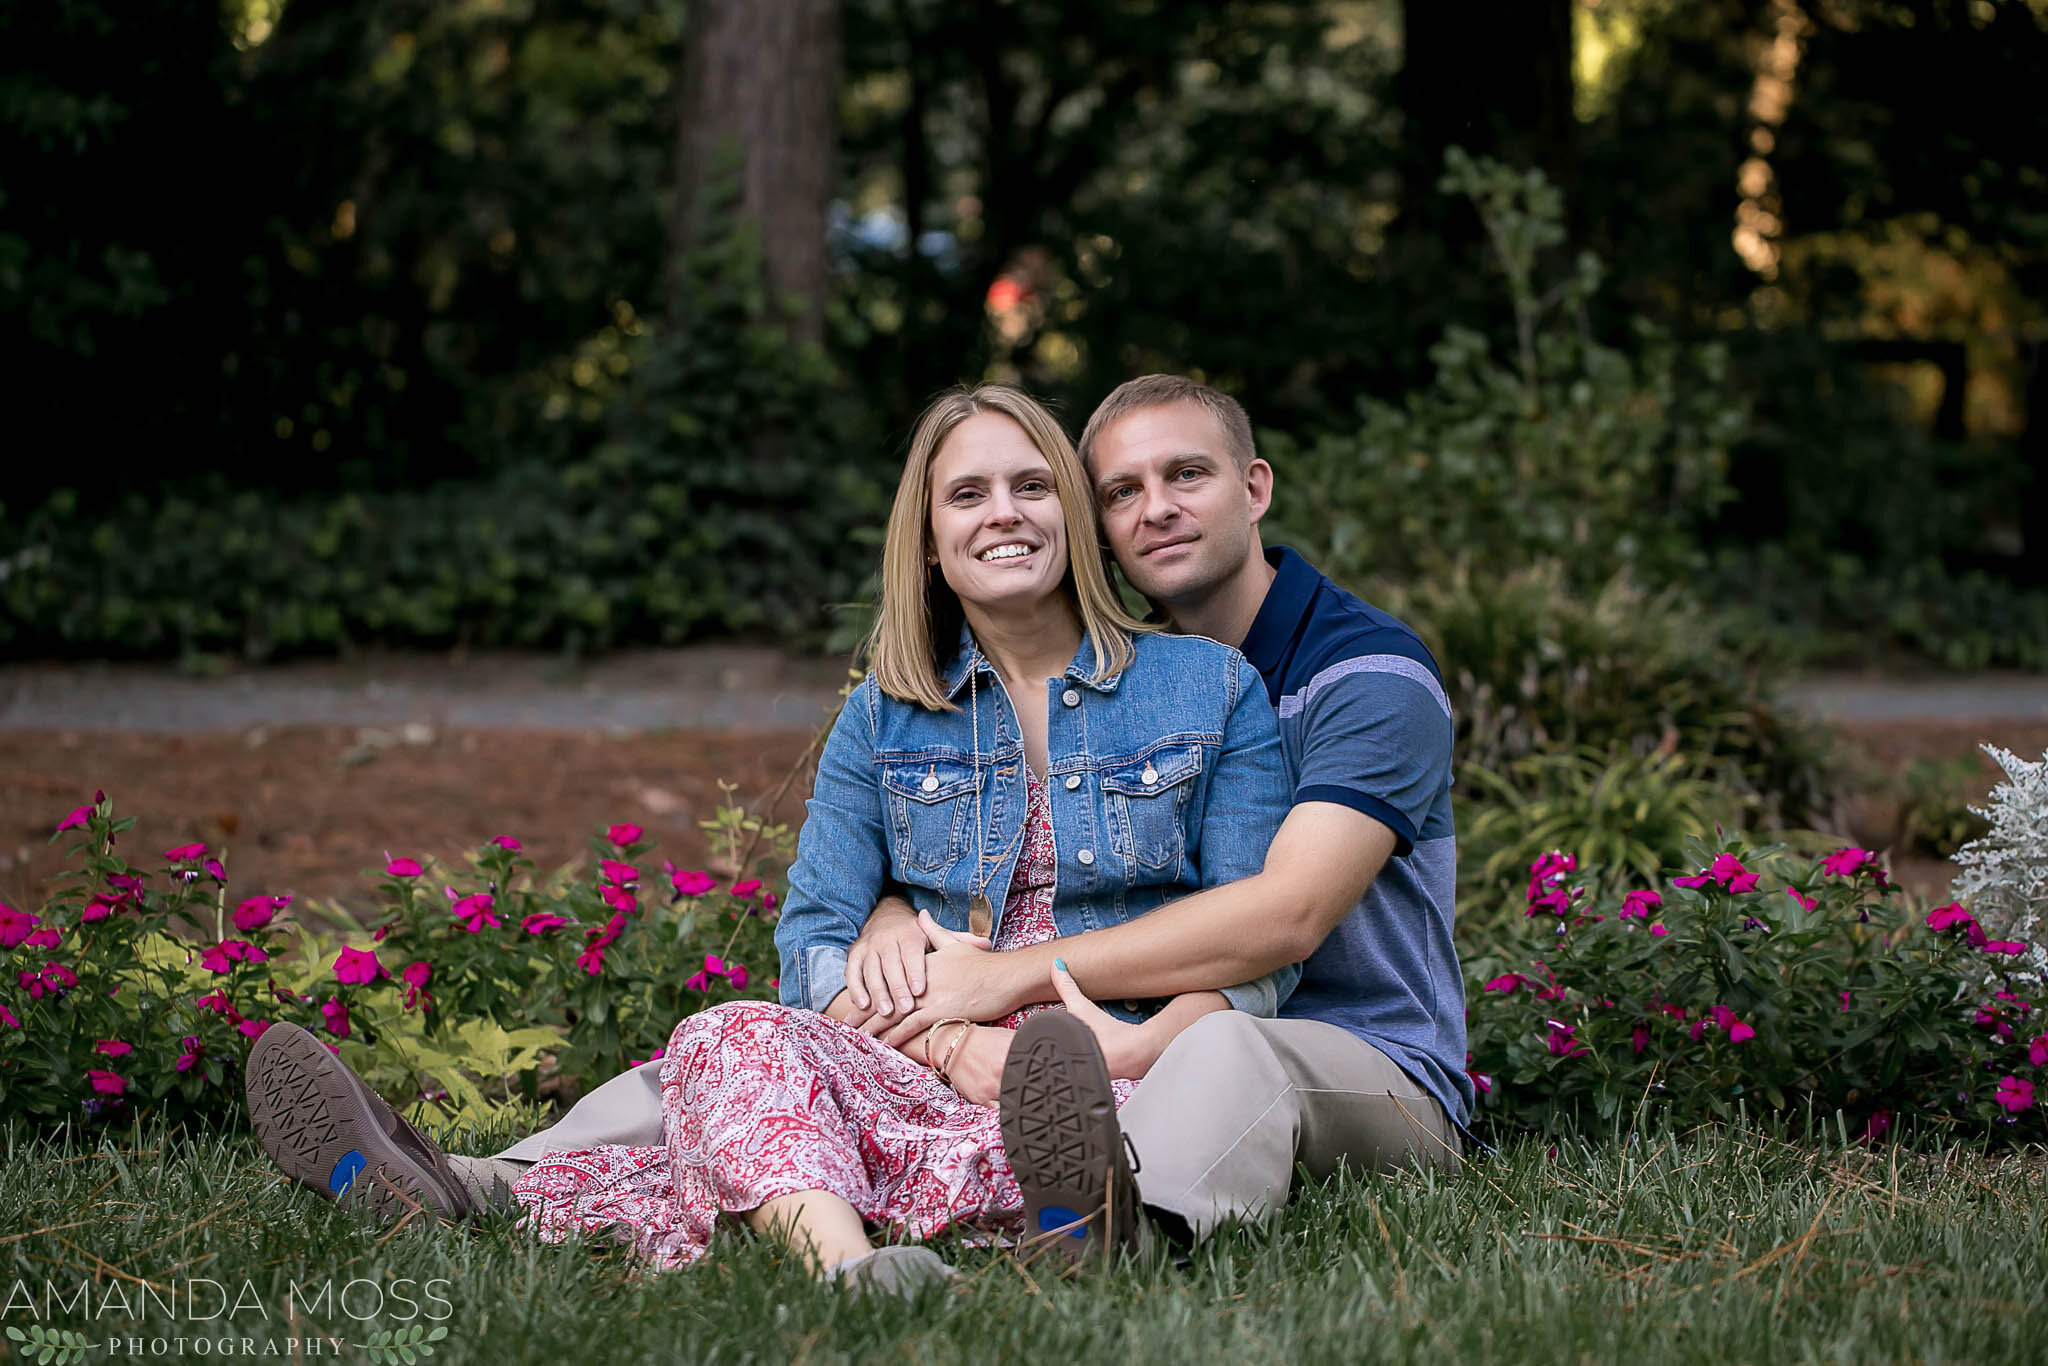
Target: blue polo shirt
x=1365, y=723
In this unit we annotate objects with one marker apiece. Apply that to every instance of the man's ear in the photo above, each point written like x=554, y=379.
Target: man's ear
x=1258, y=483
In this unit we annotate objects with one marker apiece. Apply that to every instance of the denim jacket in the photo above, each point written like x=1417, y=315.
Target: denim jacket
x=1163, y=779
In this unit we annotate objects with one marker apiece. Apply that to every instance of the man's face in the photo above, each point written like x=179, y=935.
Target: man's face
x=1177, y=510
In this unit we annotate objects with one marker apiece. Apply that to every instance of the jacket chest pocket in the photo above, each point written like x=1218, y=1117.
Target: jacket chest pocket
x=931, y=810
x=1147, y=800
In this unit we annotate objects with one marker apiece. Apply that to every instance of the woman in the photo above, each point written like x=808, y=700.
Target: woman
x=1027, y=761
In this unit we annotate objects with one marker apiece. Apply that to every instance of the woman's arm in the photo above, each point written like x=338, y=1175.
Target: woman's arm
x=842, y=859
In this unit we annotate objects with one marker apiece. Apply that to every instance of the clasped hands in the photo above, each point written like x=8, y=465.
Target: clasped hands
x=907, y=972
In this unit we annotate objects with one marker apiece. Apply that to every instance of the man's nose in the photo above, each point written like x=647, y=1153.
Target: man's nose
x=1159, y=505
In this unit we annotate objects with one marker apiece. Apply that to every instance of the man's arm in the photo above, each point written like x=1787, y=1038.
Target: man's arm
x=1320, y=864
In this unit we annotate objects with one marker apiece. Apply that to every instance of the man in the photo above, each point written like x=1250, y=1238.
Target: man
x=1364, y=1067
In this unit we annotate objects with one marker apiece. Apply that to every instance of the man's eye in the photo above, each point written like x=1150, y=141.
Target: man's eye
x=1116, y=493
x=1189, y=473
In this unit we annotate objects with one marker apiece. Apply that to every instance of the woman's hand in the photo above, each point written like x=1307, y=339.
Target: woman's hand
x=977, y=1068
x=1130, y=1050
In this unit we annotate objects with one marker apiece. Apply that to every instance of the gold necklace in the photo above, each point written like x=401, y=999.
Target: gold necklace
x=981, y=916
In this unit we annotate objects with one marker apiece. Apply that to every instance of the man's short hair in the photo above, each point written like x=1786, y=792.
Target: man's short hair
x=1156, y=391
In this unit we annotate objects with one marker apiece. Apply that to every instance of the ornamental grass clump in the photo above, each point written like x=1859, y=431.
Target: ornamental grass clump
x=1759, y=980
x=137, y=987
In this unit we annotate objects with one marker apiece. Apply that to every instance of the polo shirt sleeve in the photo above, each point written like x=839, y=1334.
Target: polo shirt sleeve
x=1376, y=737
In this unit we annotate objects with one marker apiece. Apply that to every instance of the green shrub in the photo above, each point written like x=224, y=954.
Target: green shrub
x=138, y=991
x=1814, y=994
x=1934, y=807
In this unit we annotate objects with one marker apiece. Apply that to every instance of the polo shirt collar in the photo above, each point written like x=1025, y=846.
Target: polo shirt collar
x=1294, y=586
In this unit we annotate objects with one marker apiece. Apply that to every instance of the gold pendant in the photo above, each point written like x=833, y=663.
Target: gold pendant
x=981, y=917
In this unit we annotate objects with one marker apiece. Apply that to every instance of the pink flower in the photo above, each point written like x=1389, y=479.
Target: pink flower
x=748, y=889
x=403, y=867
x=591, y=960
x=1659, y=930
x=221, y=956
x=618, y=898
x=1845, y=1001
x=190, y=1057
x=2037, y=1051
x=217, y=1001
x=1560, y=1040
x=737, y=975
x=698, y=981
x=48, y=937
x=75, y=821
x=475, y=911
x=417, y=975
x=1806, y=903
x=1948, y=917
x=1640, y=1036
x=1845, y=862
x=1742, y=882
x=253, y=1029
x=1480, y=1081
x=9, y=1018
x=216, y=870
x=603, y=938
x=336, y=1014
x=624, y=874
x=107, y=1083
x=355, y=967
x=185, y=853
x=1726, y=872
x=99, y=908
x=15, y=926
x=53, y=978
x=540, y=922
x=258, y=911
x=624, y=834
x=506, y=842
x=2015, y=1094
x=2009, y=947
x=1875, y=1128
x=1506, y=982
x=113, y=1048
x=1638, y=905
x=769, y=901
x=657, y=1053
x=692, y=883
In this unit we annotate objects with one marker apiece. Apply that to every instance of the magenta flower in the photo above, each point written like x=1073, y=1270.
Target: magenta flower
x=99, y=908
x=1640, y=1036
x=625, y=874
x=2037, y=1051
x=336, y=1014
x=16, y=926
x=747, y=890
x=1948, y=917
x=1660, y=930
x=190, y=1057
x=700, y=980
x=1480, y=1081
x=540, y=922
x=1726, y=872
x=113, y=1048
x=355, y=967
x=1845, y=1001
x=185, y=853
x=217, y=1001
x=253, y=1029
x=691, y=883
x=1875, y=1128
x=53, y=978
x=737, y=975
x=1738, y=1032
x=403, y=867
x=2009, y=947
x=507, y=843
x=1638, y=905
x=1845, y=862
x=475, y=911
x=258, y=911
x=221, y=956
x=216, y=870
x=1806, y=903
x=48, y=937
x=624, y=834
x=417, y=974
x=75, y=821
x=591, y=960
x=106, y=1083
x=618, y=898
x=1560, y=1040
x=1506, y=982
x=612, y=928
x=2015, y=1094
x=9, y=1018
x=638, y=1062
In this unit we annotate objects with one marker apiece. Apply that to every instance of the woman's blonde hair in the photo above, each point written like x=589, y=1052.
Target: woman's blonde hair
x=919, y=622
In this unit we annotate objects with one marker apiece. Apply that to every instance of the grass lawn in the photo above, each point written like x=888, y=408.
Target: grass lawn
x=1719, y=1247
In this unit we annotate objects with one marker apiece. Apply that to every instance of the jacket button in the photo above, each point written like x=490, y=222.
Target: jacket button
x=1073, y=781
x=1087, y=856
x=1071, y=698
x=1149, y=776
x=931, y=783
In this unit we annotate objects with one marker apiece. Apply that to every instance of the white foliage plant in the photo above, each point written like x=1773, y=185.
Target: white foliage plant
x=2004, y=873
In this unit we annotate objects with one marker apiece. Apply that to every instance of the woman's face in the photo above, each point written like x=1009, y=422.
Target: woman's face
x=997, y=526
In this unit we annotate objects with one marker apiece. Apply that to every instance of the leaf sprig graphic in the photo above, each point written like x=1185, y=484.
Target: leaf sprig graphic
x=45, y=1345
x=406, y=1345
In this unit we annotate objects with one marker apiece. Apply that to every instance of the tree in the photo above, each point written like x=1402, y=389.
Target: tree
x=760, y=94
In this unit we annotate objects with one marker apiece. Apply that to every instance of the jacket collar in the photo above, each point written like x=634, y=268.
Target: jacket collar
x=967, y=657
x=1294, y=585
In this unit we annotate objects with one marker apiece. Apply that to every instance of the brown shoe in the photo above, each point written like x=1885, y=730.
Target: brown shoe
x=1060, y=1131
x=333, y=1135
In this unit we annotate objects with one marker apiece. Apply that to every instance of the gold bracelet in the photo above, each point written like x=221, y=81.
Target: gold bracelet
x=931, y=1034
x=945, y=1068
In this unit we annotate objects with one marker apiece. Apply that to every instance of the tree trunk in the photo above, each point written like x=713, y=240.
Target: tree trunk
x=1491, y=76
x=759, y=108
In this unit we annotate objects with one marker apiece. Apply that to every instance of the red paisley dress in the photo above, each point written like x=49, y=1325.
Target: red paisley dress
x=761, y=1100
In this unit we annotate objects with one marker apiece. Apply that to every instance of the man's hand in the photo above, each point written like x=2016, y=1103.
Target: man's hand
x=885, y=966
x=963, y=980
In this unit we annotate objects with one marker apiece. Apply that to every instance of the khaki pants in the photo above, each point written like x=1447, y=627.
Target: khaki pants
x=1219, y=1124
x=1236, y=1103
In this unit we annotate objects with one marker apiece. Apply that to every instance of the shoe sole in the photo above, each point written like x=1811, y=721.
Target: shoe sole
x=316, y=1125
x=1061, y=1135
